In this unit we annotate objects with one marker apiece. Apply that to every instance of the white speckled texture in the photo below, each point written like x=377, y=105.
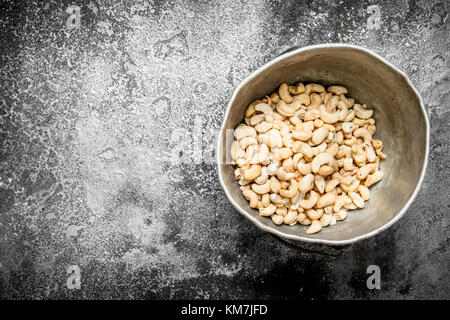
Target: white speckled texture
x=90, y=118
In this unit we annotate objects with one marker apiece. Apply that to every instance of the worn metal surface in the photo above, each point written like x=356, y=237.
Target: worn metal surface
x=96, y=117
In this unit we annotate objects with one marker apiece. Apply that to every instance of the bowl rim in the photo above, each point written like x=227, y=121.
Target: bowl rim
x=273, y=229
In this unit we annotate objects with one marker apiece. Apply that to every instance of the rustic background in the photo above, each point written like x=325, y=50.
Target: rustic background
x=96, y=99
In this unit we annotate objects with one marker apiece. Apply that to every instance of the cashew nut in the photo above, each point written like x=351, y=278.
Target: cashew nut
x=325, y=219
x=274, y=98
x=283, y=175
x=319, y=149
x=331, y=184
x=304, y=148
x=348, y=127
x=364, y=192
x=332, y=149
x=306, y=183
x=269, y=118
x=268, y=211
x=350, y=206
x=287, y=140
x=285, y=109
x=370, y=152
x=245, y=142
x=237, y=173
x=348, y=101
x=264, y=175
x=291, y=217
x=251, y=154
x=364, y=171
x=263, y=126
x=243, y=182
x=257, y=118
x=339, y=137
x=301, y=217
x=315, y=227
x=358, y=154
x=341, y=201
x=377, y=144
x=314, y=87
x=373, y=178
x=306, y=221
x=357, y=200
x=380, y=154
x=243, y=188
x=277, y=219
x=318, y=123
x=343, y=110
x=252, y=197
x=340, y=215
x=326, y=97
x=292, y=191
x=350, y=116
x=282, y=211
x=316, y=100
x=296, y=159
x=302, y=135
x=319, y=181
x=321, y=159
x=284, y=153
x=275, y=185
x=332, y=104
x=283, y=92
x=299, y=88
x=303, y=98
x=236, y=152
x=338, y=90
x=243, y=131
x=312, y=114
x=303, y=167
x=326, y=116
x=344, y=151
x=264, y=108
x=274, y=139
x=350, y=187
x=295, y=202
x=261, y=188
x=278, y=200
x=314, y=214
x=264, y=154
x=361, y=111
x=325, y=171
x=252, y=173
x=265, y=200
x=348, y=164
x=251, y=108
x=318, y=135
x=272, y=168
x=364, y=133
x=359, y=122
x=308, y=203
x=288, y=165
x=327, y=199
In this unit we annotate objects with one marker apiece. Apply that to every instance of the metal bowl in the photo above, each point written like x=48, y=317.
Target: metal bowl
x=401, y=120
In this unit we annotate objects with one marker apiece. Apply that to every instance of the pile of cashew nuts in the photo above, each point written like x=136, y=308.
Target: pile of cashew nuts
x=306, y=155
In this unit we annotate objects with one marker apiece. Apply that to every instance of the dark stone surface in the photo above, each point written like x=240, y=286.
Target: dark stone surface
x=91, y=116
